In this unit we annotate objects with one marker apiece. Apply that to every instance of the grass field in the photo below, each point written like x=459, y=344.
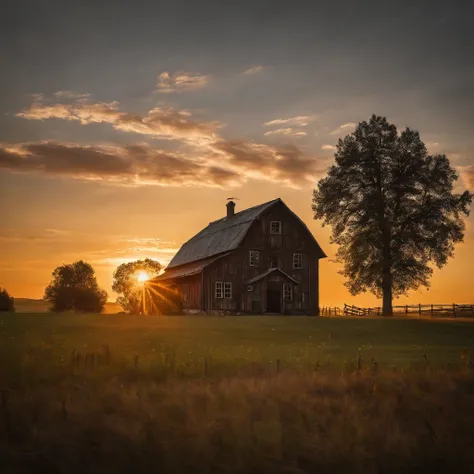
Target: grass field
x=116, y=394
x=230, y=342
x=30, y=305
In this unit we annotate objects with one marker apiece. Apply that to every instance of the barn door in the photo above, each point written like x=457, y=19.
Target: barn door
x=273, y=298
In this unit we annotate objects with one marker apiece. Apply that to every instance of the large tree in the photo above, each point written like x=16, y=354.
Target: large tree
x=74, y=287
x=129, y=282
x=392, y=209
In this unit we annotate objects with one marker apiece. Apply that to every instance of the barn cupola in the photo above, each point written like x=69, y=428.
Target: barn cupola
x=230, y=208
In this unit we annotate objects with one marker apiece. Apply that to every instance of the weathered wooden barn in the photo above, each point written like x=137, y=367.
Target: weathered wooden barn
x=260, y=260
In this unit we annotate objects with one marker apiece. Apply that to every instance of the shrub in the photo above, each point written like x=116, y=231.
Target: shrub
x=7, y=302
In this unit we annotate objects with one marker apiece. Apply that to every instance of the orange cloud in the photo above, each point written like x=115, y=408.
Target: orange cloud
x=158, y=122
x=180, y=82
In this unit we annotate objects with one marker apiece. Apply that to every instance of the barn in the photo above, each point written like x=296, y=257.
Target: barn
x=260, y=260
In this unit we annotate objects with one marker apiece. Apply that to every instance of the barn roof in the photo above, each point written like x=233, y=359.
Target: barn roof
x=188, y=269
x=225, y=235
x=219, y=236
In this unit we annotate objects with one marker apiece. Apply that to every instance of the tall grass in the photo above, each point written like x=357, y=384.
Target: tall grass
x=213, y=395
x=309, y=422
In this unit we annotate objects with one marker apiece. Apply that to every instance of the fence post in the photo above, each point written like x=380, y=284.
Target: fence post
x=406, y=309
x=454, y=310
x=419, y=309
x=431, y=310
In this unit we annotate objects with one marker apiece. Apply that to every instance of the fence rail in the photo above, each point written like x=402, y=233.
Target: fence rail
x=453, y=309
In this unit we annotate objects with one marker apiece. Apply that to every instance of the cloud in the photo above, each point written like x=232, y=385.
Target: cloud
x=224, y=163
x=328, y=147
x=65, y=94
x=160, y=122
x=180, y=82
x=467, y=175
x=285, y=164
x=343, y=127
x=286, y=132
x=254, y=70
x=137, y=164
x=211, y=160
x=299, y=121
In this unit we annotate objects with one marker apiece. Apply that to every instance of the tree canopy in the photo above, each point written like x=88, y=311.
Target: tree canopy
x=392, y=208
x=74, y=287
x=7, y=302
x=127, y=282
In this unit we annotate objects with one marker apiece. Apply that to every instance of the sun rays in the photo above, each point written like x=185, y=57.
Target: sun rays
x=142, y=277
x=152, y=294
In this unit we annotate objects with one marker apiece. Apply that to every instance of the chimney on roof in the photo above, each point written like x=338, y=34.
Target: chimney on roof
x=230, y=208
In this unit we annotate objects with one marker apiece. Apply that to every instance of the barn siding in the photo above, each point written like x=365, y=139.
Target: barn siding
x=235, y=268
x=190, y=290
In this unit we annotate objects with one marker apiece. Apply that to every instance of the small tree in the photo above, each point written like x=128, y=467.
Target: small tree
x=130, y=282
x=392, y=209
x=7, y=302
x=74, y=287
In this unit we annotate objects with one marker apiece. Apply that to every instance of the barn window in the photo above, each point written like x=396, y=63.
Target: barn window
x=219, y=290
x=227, y=289
x=297, y=260
x=272, y=261
x=275, y=227
x=287, y=291
x=254, y=257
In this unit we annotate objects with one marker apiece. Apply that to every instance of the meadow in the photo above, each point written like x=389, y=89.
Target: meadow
x=115, y=393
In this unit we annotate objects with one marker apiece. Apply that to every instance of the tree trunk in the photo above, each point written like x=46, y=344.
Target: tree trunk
x=387, y=309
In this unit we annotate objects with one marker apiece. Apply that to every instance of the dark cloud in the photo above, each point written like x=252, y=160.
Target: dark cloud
x=245, y=160
x=129, y=165
x=229, y=163
x=286, y=164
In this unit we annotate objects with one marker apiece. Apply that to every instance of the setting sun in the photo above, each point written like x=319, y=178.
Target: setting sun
x=142, y=276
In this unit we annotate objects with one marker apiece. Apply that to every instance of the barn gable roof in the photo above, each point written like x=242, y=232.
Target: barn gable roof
x=224, y=235
x=219, y=236
x=271, y=270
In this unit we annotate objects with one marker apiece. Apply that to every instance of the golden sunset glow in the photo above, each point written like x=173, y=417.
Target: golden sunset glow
x=142, y=277
x=196, y=119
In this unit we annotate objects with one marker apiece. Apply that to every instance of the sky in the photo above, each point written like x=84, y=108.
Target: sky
x=124, y=128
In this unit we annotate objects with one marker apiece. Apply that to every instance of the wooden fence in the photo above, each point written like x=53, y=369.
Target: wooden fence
x=331, y=311
x=453, y=310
